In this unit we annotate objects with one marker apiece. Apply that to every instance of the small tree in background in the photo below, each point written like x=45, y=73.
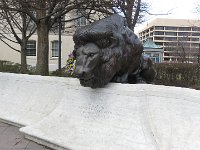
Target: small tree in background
x=182, y=50
x=13, y=23
x=133, y=10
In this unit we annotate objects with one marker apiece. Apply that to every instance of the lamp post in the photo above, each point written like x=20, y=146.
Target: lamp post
x=198, y=56
x=59, y=45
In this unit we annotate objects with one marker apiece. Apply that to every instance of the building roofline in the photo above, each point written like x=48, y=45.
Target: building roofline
x=171, y=22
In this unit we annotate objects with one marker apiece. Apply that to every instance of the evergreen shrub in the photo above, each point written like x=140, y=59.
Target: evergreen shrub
x=178, y=74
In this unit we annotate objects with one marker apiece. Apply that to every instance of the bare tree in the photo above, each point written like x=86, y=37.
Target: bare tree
x=13, y=23
x=45, y=14
x=180, y=49
x=133, y=10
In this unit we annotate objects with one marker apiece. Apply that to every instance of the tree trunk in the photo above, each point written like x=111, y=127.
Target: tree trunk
x=23, y=43
x=42, y=66
x=23, y=57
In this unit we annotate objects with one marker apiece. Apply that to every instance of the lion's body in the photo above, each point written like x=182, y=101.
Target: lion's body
x=107, y=51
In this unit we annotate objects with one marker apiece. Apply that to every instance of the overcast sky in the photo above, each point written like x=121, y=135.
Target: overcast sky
x=178, y=9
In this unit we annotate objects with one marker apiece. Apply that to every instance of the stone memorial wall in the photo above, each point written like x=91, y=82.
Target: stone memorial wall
x=63, y=115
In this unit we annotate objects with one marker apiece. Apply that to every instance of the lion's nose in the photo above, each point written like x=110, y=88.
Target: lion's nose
x=79, y=72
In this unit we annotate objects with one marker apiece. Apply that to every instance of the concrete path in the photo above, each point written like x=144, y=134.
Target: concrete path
x=12, y=139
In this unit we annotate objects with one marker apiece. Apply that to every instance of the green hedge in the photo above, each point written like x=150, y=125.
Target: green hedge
x=178, y=74
x=7, y=66
x=171, y=74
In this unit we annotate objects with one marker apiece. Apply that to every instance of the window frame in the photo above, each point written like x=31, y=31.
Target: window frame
x=82, y=21
x=29, y=49
x=54, y=49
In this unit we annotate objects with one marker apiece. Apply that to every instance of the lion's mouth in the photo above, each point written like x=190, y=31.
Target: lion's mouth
x=87, y=81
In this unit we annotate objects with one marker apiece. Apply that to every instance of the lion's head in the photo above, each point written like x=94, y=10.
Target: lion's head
x=87, y=60
x=104, y=49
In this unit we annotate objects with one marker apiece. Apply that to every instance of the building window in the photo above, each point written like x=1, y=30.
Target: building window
x=185, y=28
x=82, y=20
x=159, y=33
x=195, y=44
x=159, y=38
x=159, y=28
x=31, y=48
x=194, y=39
x=170, y=38
x=171, y=33
x=170, y=28
x=183, y=44
x=183, y=34
x=195, y=28
x=155, y=57
x=196, y=34
x=159, y=43
x=55, y=48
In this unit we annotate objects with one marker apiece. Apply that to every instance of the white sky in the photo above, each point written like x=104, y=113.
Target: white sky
x=179, y=9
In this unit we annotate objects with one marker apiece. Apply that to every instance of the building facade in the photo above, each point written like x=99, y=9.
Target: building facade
x=67, y=46
x=180, y=38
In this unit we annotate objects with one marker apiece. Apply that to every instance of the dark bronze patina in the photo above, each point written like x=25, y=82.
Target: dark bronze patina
x=107, y=50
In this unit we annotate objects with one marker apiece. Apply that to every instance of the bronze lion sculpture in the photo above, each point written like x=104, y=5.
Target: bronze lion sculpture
x=107, y=50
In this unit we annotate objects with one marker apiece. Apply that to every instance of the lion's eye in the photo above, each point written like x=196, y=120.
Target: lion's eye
x=90, y=54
